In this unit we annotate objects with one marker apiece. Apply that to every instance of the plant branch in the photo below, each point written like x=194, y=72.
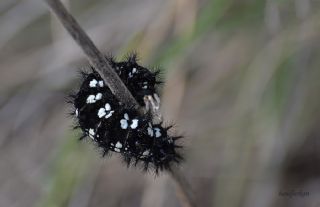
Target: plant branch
x=96, y=58
x=184, y=190
x=113, y=81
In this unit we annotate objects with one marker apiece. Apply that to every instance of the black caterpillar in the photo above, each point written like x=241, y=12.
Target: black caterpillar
x=113, y=127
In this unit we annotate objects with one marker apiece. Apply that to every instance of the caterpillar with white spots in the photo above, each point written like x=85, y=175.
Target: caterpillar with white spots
x=113, y=127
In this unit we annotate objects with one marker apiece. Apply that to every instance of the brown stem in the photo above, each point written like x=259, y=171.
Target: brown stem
x=113, y=81
x=95, y=57
x=184, y=191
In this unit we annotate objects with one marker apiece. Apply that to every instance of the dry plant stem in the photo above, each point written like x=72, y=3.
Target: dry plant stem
x=184, y=192
x=95, y=57
x=110, y=77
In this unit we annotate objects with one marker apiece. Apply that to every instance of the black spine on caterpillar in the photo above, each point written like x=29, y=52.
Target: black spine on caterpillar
x=139, y=80
x=116, y=128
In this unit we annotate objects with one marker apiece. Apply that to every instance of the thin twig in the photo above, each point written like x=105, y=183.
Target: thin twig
x=96, y=58
x=113, y=81
x=184, y=190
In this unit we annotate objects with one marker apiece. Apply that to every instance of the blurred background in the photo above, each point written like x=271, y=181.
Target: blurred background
x=242, y=84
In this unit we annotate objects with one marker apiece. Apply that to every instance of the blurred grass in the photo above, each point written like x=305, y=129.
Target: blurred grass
x=68, y=169
x=226, y=17
x=206, y=20
x=249, y=93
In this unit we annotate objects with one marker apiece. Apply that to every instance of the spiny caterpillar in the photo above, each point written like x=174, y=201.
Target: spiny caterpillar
x=114, y=127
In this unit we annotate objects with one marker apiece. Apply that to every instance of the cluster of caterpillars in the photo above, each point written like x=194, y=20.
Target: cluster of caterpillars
x=114, y=127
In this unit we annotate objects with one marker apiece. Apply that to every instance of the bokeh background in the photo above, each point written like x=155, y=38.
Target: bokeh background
x=242, y=83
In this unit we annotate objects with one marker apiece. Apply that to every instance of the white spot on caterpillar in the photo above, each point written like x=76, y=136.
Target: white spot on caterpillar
x=119, y=145
x=124, y=123
x=146, y=153
x=77, y=113
x=134, y=70
x=91, y=133
x=98, y=96
x=150, y=131
x=116, y=149
x=101, y=83
x=91, y=99
x=134, y=123
x=158, y=133
x=94, y=98
x=107, y=107
x=93, y=83
x=101, y=112
x=145, y=85
x=109, y=114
